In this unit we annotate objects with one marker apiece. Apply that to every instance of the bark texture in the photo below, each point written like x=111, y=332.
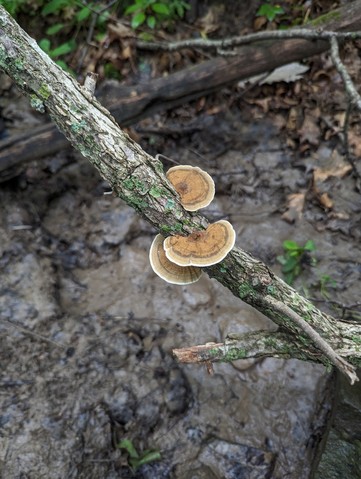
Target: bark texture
x=138, y=179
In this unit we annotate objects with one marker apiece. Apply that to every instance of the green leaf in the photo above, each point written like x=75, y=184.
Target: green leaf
x=45, y=44
x=99, y=37
x=111, y=72
x=146, y=36
x=63, y=49
x=281, y=259
x=161, y=8
x=181, y=9
x=10, y=6
x=54, y=29
x=151, y=21
x=103, y=18
x=131, y=9
x=297, y=270
x=83, y=14
x=147, y=457
x=54, y=6
x=310, y=246
x=291, y=245
x=269, y=11
x=127, y=444
x=290, y=265
x=138, y=20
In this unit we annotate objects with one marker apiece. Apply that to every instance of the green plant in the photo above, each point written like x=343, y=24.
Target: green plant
x=269, y=11
x=12, y=6
x=135, y=459
x=63, y=19
x=153, y=12
x=326, y=282
x=59, y=51
x=294, y=259
x=75, y=15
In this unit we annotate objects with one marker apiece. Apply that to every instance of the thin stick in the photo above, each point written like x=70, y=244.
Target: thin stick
x=31, y=333
x=340, y=363
x=247, y=39
x=354, y=96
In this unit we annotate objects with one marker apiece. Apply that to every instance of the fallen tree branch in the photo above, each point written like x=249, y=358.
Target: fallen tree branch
x=138, y=179
x=253, y=345
x=227, y=43
x=129, y=104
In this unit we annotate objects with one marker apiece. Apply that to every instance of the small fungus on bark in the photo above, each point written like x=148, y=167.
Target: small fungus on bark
x=165, y=269
x=201, y=248
x=194, y=186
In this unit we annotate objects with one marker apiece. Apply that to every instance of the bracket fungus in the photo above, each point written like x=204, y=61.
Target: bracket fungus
x=201, y=248
x=165, y=269
x=194, y=186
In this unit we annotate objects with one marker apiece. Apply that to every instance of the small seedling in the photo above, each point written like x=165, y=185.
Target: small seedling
x=326, y=282
x=294, y=259
x=154, y=12
x=135, y=459
x=269, y=11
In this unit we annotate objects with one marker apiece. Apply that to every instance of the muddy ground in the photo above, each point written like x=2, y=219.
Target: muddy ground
x=87, y=328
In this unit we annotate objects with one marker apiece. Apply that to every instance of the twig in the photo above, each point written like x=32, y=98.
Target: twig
x=31, y=333
x=264, y=344
x=247, y=39
x=252, y=345
x=343, y=366
x=345, y=132
x=355, y=98
x=346, y=145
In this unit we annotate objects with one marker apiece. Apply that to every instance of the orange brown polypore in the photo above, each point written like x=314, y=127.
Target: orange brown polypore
x=165, y=269
x=201, y=248
x=194, y=186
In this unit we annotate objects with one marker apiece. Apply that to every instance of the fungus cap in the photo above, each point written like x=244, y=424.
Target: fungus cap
x=165, y=269
x=201, y=248
x=194, y=186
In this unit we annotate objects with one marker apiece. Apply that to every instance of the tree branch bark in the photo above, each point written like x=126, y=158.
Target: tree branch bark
x=253, y=345
x=138, y=179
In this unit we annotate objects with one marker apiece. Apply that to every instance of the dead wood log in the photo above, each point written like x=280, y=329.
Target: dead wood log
x=138, y=179
x=129, y=104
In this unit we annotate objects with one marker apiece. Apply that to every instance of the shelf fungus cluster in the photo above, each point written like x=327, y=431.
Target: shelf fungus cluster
x=179, y=259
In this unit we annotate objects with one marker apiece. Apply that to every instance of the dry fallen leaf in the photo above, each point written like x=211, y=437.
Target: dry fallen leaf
x=325, y=201
x=295, y=204
x=310, y=130
x=262, y=103
x=320, y=175
x=210, y=22
x=335, y=167
x=354, y=142
x=294, y=118
x=120, y=30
